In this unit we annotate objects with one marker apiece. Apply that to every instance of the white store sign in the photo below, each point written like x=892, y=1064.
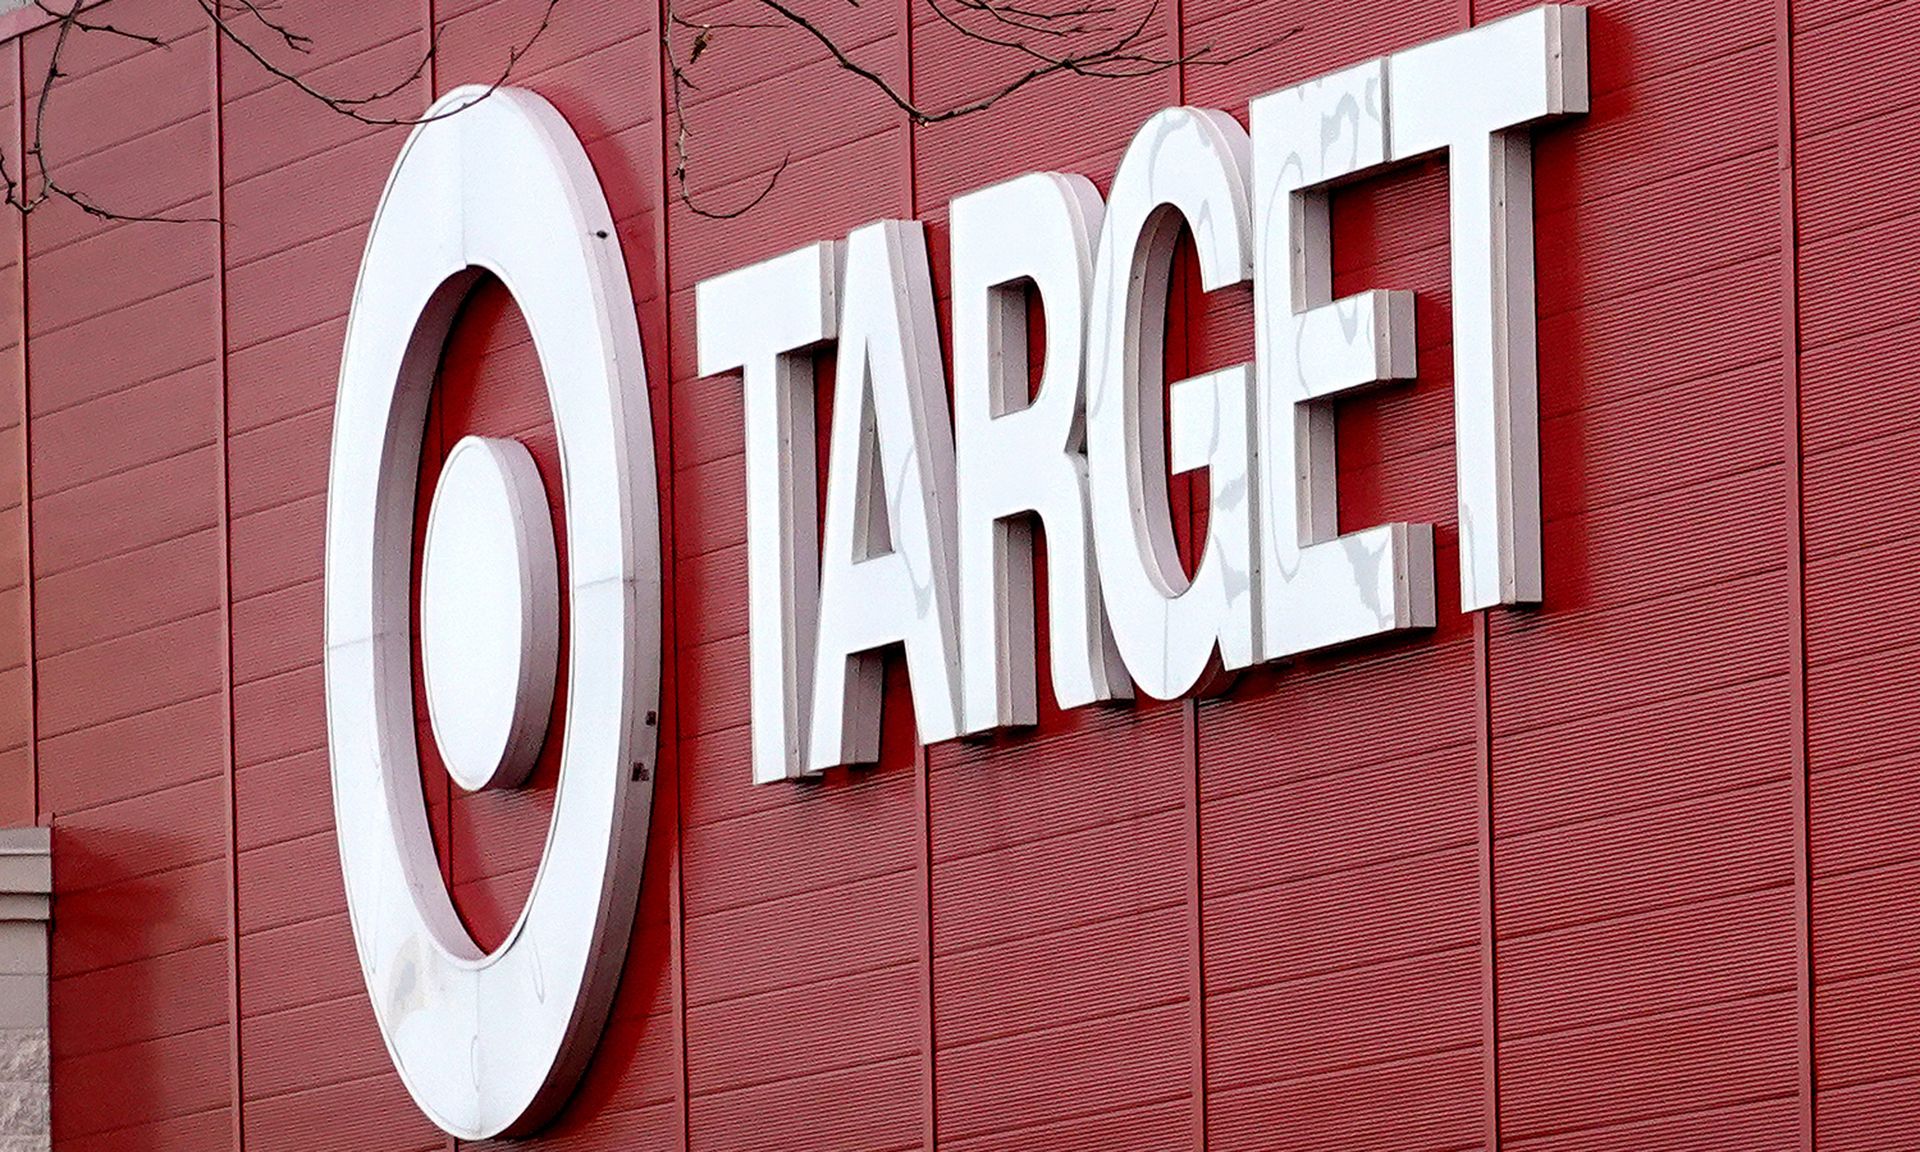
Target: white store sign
x=925, y=541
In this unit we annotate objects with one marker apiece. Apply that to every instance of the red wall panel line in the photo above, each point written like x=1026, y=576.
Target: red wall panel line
x=1489, y=927
x=30, y=814
x=235, y=1052
x=929, y=1036
x=1801, y=785
x=662, y=337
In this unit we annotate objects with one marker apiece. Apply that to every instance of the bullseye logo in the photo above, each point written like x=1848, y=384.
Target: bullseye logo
x=492, y=1043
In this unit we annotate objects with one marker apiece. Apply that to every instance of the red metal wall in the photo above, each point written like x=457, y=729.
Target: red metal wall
x=1636, y=870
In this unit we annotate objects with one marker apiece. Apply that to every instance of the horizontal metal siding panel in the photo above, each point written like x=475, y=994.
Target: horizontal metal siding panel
x=348, y=1117
x=127, y=593
x=755, y=1040
x=140, y=263
x=1864, y=815
x=1063, y=976
x=336, y=33
x=1868, y=1118
x=160, y=170
x=1702, y=1057
x=112, y=1007
x=822, y=195
x=170, y=664
x=1075, y=772
x=268, y=125
x=865, y=925
x=290, y=881
x=874, y=1108
x=1728, y=948
x=139, y=919
x=310, y=1046
x=282, y=799
x=284, y=377
x=194, y=1133
x=278, y=548
x=871, y=825
x=146, y=505
x=279, y=463
x=1840, y=404
x=1295, y=1030
x=108, y=95
x=302, y=963
x=279, y=716
x=1104, y=872
x=295, y=288
x=1078, y=1070
x=153, y=1080
x=143, y=424
x=1857, y=1046
x=1677, y=854
x=1866, y=921
x=115, y=760
x=143, y=340
x=129, y=839
x=277, y=632
x=1334, y=920
x=1435, y=1107
x=1424, y=688
x=1612, y=762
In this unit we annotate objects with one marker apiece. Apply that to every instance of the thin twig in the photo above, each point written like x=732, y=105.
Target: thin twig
x=287, y=36
x=678, y=86
x=1115, y=58
x=350, y=106
x=68, y=21
x=51, y=188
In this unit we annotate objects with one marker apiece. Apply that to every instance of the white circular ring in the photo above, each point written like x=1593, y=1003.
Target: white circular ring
x=489, y=613
x=493, y=1043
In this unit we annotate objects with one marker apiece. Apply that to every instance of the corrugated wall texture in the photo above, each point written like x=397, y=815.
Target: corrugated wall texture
x=1636, y=870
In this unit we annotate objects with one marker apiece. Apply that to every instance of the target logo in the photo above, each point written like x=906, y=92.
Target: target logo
x=492, y=1042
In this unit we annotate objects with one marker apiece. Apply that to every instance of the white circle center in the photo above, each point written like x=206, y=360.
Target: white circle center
x=489, y=613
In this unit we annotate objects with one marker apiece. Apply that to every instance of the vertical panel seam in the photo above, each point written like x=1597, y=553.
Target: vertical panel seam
x=1197, y=930
x=922, y=757
x=1191, y=306
x=1489, y=939
x=1489, y=942
x=234, y=1068
x=26, y=452
x=1802, y=846
x=677, y=891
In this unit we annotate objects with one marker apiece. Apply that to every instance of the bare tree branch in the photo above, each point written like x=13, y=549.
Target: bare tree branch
x=1051, y=38
x=353, y=106
x=287, y=36
x=36, y=184
x=67, y=22
x=678, y=85
x=1031, y=32
x=72, y=18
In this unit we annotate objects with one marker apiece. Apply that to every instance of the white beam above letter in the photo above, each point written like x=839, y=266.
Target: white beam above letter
x=1320, y=588
x=766, y=320
x=1016, y=457
x=1476, y=95
x=886, y=566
